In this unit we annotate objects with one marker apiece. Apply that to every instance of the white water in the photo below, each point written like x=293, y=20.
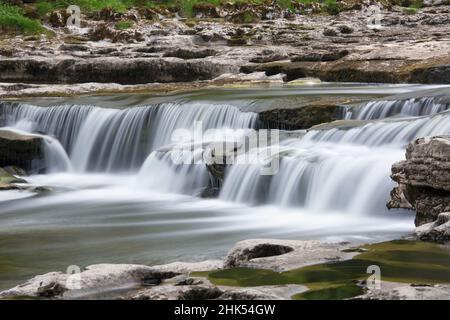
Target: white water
x=387, y=108
x=102, y=139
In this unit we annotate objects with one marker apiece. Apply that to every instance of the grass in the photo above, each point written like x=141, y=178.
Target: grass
x=410, y=10
x=124, y=24
x=12, y=19
x=399, y=261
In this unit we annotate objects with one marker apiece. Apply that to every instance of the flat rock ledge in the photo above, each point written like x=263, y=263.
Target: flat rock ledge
x=402, y=291
x=423, y=185
x=282, y=255
x=173, y=281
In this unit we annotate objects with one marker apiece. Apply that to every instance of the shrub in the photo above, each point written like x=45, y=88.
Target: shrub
x=13, y=20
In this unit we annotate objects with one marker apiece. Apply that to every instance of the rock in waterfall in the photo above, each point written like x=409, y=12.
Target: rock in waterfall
x=424, y=185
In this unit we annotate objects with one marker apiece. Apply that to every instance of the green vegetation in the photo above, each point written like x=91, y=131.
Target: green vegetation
x=125, y=24
x=410, y=10
x=400, y=261
x=12, y=19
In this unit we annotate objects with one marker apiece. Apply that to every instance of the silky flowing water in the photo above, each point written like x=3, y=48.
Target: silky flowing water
x=116, y=196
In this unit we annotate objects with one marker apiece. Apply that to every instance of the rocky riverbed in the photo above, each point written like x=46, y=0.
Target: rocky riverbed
x=408, y=47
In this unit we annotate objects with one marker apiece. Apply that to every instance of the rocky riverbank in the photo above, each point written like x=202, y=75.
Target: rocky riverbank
x=254, y=269
x=409, y=47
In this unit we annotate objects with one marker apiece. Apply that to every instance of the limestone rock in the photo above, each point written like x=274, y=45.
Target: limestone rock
x=186, y=267
x=399, y=291
x=283, y=255
x=437, y=231
x=427, y=164
x=298, y=118
x=422, y=179
x=94, y=278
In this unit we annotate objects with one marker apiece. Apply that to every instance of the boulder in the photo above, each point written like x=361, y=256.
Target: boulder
x=95, y=278
x=437, y=231
x=298, y=118
x=281, y=255
x=427, y=164
x=21, y=150
x=422, y=179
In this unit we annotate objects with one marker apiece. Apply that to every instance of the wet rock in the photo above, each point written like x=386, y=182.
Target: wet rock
x=329, y=32
x=437, y=231
x=260, y=250
x=41, y=189
x=298, y=118
x=210, y=192
x=21, y=150
x=345, y=29
x=51, y=290
x=190, y=54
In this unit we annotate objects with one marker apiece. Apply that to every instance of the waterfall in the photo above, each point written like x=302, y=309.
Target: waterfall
x=163, y=172
x=333, y=169
x=388, y=108
x=55, y=157
x=62, y=122
x=379, y=133
x=344, y=170
x=103, y=139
